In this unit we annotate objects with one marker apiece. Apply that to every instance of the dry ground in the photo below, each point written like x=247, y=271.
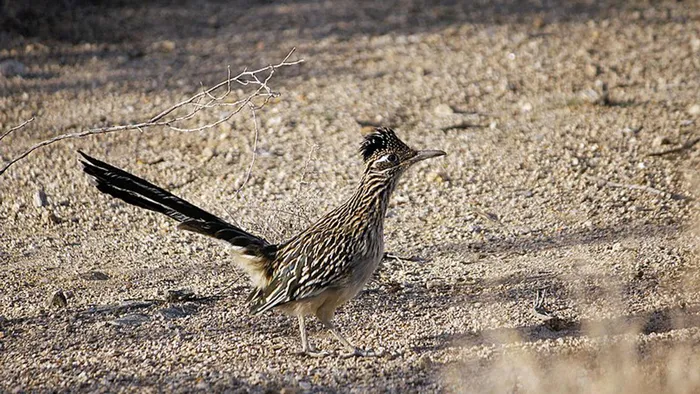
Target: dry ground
x=548, y=185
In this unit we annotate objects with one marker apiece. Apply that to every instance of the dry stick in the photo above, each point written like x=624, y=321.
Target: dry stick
x=26, y=122
x=244, y=78
x=688, y=145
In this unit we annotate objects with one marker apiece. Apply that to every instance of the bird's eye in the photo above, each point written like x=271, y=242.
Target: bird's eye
x=392, y=158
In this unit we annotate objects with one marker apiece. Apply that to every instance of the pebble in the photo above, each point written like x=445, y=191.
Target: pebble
x=208, y=153
x=694, y=109
x=58, y=299
x=40, y=199
x=592, y=70
x=273, y=121
x=179, y=295
x=172, y=313
x=49, y=217
x=12, y=68
x=94, y=275
x=164, y=46
x=660, y=140
x=695, y=44
x=592, y=96
x=443, y=110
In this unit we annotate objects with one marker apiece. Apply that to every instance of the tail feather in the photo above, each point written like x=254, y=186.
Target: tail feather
x=257, y=252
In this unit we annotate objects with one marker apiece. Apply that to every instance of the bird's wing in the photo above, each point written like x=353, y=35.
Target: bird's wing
x=305, y=270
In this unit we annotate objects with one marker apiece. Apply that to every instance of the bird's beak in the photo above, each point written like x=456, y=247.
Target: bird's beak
x=426, y=154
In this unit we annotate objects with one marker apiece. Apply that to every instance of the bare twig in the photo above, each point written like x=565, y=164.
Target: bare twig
x=26, y=122
x=688, y=145
x=306, y=166
x=238, y=78
x=202, y=101
x=255, y=150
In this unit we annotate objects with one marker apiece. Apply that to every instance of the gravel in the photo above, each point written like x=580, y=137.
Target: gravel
x=549, y=114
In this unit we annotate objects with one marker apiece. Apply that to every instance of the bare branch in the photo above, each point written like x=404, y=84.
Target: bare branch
x=227, y=82
x=26, y=122
x=193, y=106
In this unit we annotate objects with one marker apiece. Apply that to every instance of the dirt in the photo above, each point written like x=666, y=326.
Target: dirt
x=555, y=117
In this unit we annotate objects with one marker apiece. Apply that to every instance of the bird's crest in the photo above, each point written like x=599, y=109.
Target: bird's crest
x=379, y=141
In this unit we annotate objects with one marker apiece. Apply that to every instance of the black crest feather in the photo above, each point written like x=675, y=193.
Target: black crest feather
x=379, y=139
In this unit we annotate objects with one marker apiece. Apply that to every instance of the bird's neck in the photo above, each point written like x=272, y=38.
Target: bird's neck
x=371, y=198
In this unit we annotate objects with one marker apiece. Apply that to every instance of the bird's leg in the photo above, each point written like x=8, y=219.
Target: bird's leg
x=352, y=349
x=306, y=347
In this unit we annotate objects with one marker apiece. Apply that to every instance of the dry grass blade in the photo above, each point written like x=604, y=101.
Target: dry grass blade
x=192, y=107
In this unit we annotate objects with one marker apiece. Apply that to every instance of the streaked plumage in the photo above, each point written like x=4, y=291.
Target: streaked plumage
x=317, y=270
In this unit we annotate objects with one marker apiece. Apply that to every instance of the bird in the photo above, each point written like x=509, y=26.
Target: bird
x=317, y=270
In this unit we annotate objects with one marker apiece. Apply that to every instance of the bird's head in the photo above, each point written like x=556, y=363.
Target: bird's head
x=384, y=153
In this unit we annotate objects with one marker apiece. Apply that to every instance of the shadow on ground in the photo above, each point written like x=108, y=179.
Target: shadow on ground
x=124, y=32
x=654, y=322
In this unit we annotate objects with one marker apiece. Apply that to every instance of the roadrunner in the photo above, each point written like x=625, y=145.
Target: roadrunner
x=317, y=270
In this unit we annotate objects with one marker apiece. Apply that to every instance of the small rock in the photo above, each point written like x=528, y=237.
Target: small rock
x=12, y=68
x=438, y=176
x=660, y=140
x=164, y=46
x=208, y=153
x=694, y=109
x=695, y=44
x=527, y=193
x=179, y=295
x=172, y=313
x=591, y=96
x=58, y=299
x=443, y=110
x=527, y=107
x=273, y=121
x=133, y=319
x=40, y=199
x=50, y=218
x=538, y=22
x=592, y=70
x=94, y=275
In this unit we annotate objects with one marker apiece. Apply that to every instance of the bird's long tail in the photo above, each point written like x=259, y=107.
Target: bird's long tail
x=255, y=251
